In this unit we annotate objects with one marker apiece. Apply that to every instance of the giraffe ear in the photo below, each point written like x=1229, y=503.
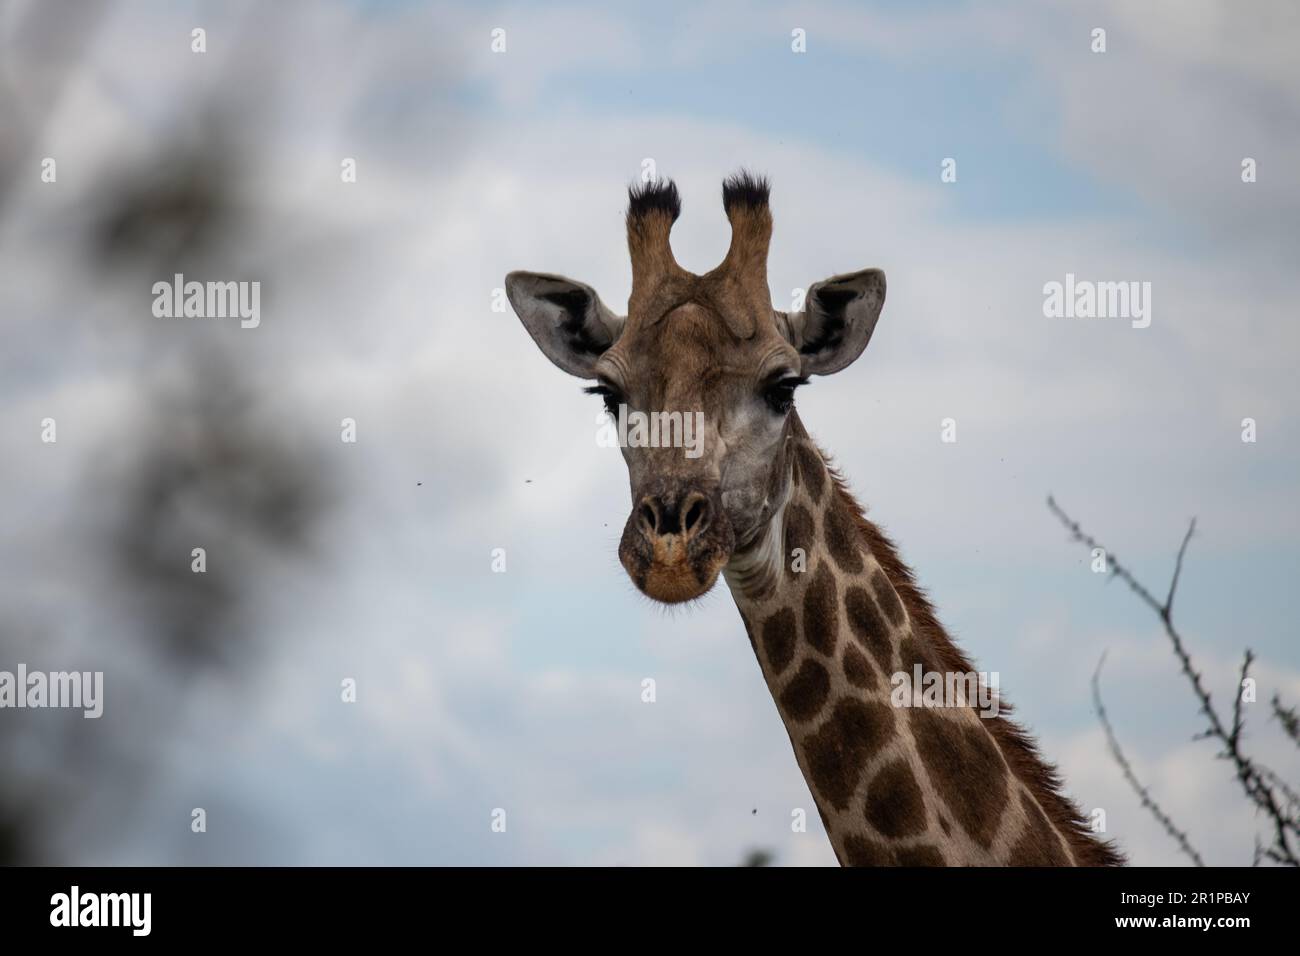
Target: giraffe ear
x=566, y=319
x=839, y=316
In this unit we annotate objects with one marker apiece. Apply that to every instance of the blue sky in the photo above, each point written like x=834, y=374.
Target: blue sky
x=522, y=690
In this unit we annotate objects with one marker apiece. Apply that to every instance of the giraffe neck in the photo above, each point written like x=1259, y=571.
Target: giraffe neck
x=833, y=616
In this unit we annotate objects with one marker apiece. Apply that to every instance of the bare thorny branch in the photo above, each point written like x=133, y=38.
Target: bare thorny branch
x=1143, y=793
x=1265, y=789
x=1288, y=718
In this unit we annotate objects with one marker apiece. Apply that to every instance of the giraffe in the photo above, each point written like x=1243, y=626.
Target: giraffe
x=832, y=613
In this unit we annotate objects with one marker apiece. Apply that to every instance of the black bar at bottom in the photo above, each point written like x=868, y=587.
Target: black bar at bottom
x=332, y=906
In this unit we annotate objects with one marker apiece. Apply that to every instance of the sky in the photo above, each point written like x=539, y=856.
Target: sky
x=521, y=691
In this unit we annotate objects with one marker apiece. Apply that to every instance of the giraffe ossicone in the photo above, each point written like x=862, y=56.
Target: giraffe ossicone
x=832, y=613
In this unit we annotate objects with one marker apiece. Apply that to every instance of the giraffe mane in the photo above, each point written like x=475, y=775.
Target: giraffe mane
x=1018, y=749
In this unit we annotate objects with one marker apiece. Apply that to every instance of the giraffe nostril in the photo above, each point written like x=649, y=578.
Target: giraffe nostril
x=660, y=516
x=649, y=520
x=697, y=516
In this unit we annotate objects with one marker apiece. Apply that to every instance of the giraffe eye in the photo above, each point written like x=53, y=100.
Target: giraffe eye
x=780, y=394
x=611, y=398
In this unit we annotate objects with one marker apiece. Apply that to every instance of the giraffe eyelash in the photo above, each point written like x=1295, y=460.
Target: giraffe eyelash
x=612, y=398
x=779, y=394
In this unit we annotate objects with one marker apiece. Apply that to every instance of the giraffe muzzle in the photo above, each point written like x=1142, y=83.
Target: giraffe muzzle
x=675, y=543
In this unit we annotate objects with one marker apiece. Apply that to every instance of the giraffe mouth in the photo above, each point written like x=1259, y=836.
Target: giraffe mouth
x=673, y=582
x=672, y=559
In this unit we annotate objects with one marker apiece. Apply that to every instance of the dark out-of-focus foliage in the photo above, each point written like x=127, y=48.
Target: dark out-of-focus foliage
x=210, y=474
x=175, y=212
x=204, y=466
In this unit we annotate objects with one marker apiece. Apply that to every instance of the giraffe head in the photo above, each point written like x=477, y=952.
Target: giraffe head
x=706, y=350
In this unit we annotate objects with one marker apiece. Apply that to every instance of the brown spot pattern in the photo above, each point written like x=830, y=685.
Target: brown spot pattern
x=1038, y=845
x=894, y=805
x=779, y=639
x=911, y=652
x=837, y=753
x=800, y=532
x=805, y=695
x=857, y=669
x=860, y=851
x=966, y=769
x=1085, y=846
x=842, y=539
x=820, y=617
x=868, y=626
x=777, y=477
x=920, y=856
x=812, y=473
x=887, y=597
